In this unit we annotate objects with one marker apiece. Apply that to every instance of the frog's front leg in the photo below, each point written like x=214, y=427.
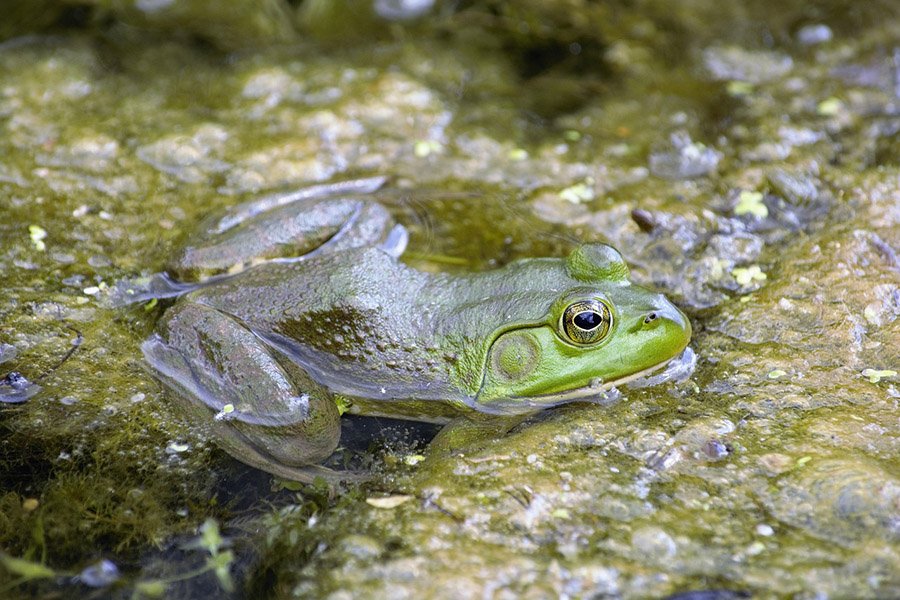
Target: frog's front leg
x=470, y=432
x=258, y=406
x=289, y=226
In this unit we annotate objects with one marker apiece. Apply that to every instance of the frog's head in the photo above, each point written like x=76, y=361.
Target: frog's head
x=601, y=332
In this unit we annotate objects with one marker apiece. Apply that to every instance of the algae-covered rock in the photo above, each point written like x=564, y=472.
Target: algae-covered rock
x=752, y=177
x=244, y=23
x=25, y=16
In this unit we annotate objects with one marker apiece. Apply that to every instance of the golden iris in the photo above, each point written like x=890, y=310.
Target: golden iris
x=586, y=321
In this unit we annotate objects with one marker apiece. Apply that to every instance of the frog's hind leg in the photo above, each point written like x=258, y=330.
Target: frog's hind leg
x=264, y=411
x=287, y=227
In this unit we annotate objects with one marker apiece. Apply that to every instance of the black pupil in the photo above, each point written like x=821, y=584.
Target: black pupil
x=587, y=320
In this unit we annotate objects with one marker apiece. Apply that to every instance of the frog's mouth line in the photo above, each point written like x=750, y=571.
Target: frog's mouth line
x=598, y=386
x=584, y=393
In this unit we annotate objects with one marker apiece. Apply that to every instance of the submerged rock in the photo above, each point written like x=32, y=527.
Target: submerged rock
x=684, y=160
x=840, y=500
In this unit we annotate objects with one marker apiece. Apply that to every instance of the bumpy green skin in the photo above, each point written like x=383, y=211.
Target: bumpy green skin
x=268, y=346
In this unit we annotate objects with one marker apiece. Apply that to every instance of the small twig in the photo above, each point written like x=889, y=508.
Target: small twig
x=76, y=343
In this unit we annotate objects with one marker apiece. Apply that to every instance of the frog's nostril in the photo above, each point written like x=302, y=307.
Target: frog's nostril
x=667, y=314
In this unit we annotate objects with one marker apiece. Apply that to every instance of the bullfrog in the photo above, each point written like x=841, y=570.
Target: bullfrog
x=294, y=307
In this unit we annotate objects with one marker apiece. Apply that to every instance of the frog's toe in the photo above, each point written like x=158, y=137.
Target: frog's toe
x=312, y=473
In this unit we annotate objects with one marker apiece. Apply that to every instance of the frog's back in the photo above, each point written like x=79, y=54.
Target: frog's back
x=319, y=287
x=353, y=319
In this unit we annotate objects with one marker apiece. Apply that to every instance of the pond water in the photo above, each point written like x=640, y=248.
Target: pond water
x=744, y=160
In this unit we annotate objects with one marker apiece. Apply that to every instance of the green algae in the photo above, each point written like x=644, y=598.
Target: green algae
x=120, y=133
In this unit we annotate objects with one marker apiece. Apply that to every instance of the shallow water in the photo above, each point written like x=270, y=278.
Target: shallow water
x=743, y=160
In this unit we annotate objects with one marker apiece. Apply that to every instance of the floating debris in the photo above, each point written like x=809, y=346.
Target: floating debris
x=389, y=501
x=746, y=276
x=100, y=574
x=177, y=448
x=751, y=203
x=810, y=35
x=37, y=235
x=578, y=193
x=876, y=375
x=425, y=148
x=731, y=63
x=401, y=10
x=16, y=389
x=829, y=107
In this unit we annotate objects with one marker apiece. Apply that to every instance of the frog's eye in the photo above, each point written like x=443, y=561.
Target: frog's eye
x=586, y=321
